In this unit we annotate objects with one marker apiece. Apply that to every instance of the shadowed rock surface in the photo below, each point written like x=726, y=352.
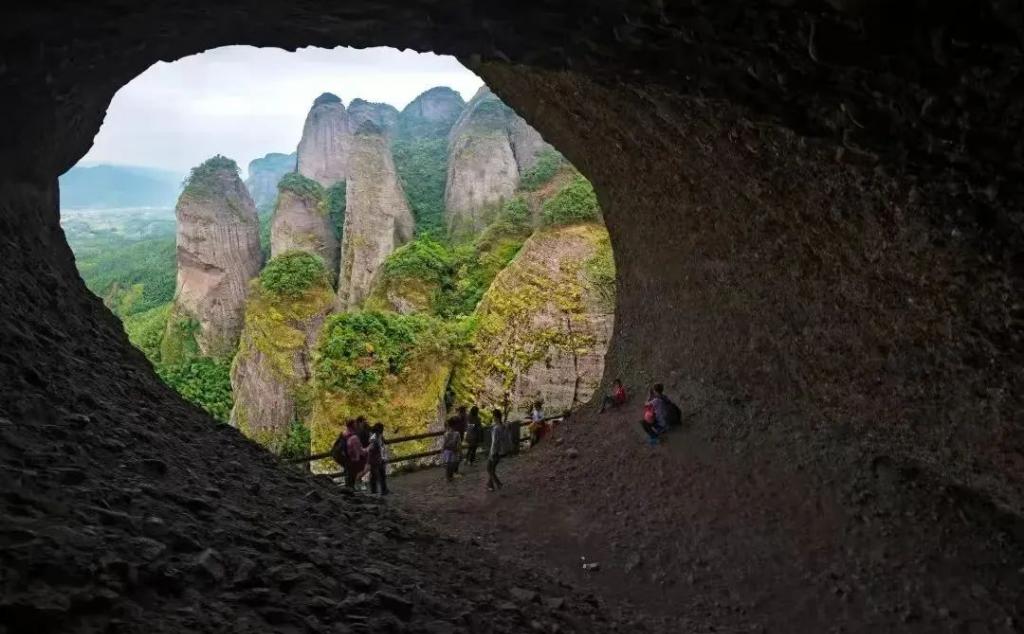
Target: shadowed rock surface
x=265, y=173
x=323, y=149
x=815, y=213
x=301, y=221
x=377, y=215
x=218, y=253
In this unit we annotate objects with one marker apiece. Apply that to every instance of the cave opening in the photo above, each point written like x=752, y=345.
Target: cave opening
x=815, y=218
x=444, y=236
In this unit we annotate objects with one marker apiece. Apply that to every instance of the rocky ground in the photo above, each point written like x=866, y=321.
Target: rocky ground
x=744, y=537
x=160, y=521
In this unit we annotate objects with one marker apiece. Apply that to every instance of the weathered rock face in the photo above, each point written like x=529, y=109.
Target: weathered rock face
x=432, y=113
x=485, y=148
x=382, y=115
x=218, y=253
x=265, y=173
x=270, y=373
x=301, y=221
x=545, y=324
x=377, y=215
x=323, y=150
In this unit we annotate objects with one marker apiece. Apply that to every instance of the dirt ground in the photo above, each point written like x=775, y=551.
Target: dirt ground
x=699, y=539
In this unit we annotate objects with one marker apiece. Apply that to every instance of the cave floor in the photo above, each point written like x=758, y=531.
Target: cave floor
x=689, y=538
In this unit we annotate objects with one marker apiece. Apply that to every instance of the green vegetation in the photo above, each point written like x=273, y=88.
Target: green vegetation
x=179, y=342
x=202, y=381
x=357, y=350
x=202, y=180
x=293, y=273
x=599, y=271
x=422, y=166
x=296, y=443
x=302, y=187
x=548, y=163
x=576, y=202
x=130, y=276
x=146, y=330
x=336, y=207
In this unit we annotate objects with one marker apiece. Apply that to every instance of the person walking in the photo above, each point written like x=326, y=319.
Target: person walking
x=377, y=456
x=499, y=444
x=460, y=423
x=474, y=433
x=450, y=445
x=537, y=426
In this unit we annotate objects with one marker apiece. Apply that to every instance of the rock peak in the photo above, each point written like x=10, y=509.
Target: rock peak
x=327, y=97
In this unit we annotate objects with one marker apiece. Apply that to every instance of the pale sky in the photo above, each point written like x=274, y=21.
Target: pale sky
x=243, y=102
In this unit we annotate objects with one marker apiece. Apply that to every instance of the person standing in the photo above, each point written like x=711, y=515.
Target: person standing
x=450, y=445
x=356, y=455
x=536, y=423
x=499, y=443
x=474, y=433
x=460, y=423
x=377, y=456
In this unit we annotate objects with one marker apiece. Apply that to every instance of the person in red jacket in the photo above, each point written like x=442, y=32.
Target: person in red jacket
x=356, y=455
x=617, y=398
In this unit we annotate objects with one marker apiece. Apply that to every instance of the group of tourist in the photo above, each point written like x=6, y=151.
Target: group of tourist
x=361, y=449
x=466, y=428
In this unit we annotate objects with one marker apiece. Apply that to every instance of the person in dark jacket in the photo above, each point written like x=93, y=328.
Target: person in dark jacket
x=474, y=433
x=499, y=446
x=376, y=456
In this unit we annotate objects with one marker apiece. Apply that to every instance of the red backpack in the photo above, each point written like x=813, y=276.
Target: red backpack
x=649, y=416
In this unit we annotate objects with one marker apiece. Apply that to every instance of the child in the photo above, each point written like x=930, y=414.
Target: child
x=450, y=446
x=377, y=456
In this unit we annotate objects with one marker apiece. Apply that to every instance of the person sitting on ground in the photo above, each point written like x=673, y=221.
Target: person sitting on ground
x=474, y=433
x=650, y=420
x=537, y=425
x=376, y=456
x=450, y=447
x=356, y=455
x=499, y=445
x=669, y=414
x=617, y=398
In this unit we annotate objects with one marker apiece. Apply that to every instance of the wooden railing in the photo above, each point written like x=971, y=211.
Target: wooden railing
x=516, y=425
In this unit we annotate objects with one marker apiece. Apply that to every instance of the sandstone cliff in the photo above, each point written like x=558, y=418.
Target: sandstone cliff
x=544, y=324
x=324, y=147
x=218, y=252
x=301, y=221
x=377, y=215
x=488, y=149
x=270, y=373
x=382, y=115
x=265, y=173
x=432, y=113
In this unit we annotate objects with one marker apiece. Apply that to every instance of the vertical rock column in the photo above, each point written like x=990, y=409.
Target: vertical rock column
x=377, y=215
x=323, y=150
x=218, y=253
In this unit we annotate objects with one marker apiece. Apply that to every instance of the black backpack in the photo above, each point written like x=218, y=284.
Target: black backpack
x=673, y=414
x=339, y=451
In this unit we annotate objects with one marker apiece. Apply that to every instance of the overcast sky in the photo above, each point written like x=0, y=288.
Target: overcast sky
x=244, y=102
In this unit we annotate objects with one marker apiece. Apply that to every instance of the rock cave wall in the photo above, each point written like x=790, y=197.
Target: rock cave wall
x=814, y=208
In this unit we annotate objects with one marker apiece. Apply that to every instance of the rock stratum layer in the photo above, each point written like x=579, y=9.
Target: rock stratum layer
x=218, y=252
x=377, y=216
x=264, y=175
x=488, y=148
x=815, y=213
x=323, y=149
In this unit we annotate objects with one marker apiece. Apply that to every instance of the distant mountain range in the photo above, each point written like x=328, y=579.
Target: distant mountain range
x=111, y=186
